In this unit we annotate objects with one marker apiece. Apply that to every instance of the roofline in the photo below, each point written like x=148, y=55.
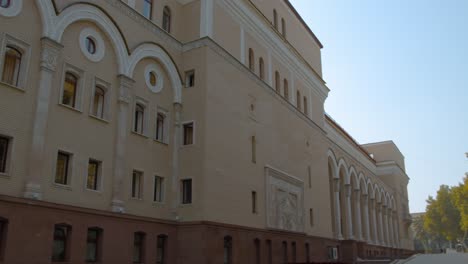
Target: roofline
x=350, y=138
x=383, y=143
x=288, y=3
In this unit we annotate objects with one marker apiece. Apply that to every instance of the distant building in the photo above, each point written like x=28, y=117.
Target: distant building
x=187, y=131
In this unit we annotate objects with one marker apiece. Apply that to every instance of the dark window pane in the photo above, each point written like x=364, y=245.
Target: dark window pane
x=69, y=90
x=11, y=66
x=59, y=250
x=93, y=171
x=3, y=153
x=187, y=191
x=188, y=134
x=61, y=173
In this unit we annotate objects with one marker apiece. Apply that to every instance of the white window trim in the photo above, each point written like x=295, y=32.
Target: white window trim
x=142, y=186
x=100, y=46
x=79, y=87
x=193, y=135
x=145, y=104
x=13, y=10
x=181, y=193
x=107, y=88
x=100, y=186
x=187, y=74
x=25, y=49
x=167, y=123
x=156, y=69
x=8, y=166
x=67, y=186
x=163, y=189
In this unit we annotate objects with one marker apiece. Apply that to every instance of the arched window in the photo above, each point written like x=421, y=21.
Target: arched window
x=69, y=90
x=293, y=249
x=98, y=102
x=139, y=118
x=167, y=19
x=257, y=251
x=147, y=8
x=251, y=60
x=298, y=100
x=283, y=27
x=5, y=3
x=269, y=252
x=161, y=249
x=286, y=89
x=227, y=250
x=275, y=19
x=285, y=252
x=306, y=110
x=277, y=82
x=261, y=66
x=11, y=66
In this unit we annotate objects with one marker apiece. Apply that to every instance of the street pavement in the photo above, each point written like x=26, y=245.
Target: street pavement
x=451, y=258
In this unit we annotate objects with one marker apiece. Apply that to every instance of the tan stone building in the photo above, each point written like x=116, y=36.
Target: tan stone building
x=182, y=131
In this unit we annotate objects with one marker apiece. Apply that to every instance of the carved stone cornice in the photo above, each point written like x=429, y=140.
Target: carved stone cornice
x=50, y=53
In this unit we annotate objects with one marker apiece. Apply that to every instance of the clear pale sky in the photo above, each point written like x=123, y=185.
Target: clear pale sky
x=398, y=69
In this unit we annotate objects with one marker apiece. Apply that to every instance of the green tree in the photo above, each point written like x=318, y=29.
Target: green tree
x=460, y=194
x=442, y=215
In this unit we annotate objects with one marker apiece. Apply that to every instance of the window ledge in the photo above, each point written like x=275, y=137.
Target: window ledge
x=71, y=108
x=136, y=199
x=5, y=175
x=13, y=87
x=158, y=204
x=161, y=142
x=186, y=205
x=62, y=186
x=98, y=192
x=140, y=135
x=187, y=146
x=99, y=119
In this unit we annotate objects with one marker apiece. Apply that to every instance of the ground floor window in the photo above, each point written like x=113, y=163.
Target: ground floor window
x=93, y=244
x=61, y=240
x=227, y=250
x=161, y=249
x=138, y=247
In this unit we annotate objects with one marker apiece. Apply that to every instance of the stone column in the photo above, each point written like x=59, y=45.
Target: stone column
x=175, y=191
x=357, y=195
x=120, y=166
x=390, y=225
x=381, y=238
x=50, y=53
x=349, y=216
x=336, y=188
x=366, y=218
x=374, y=221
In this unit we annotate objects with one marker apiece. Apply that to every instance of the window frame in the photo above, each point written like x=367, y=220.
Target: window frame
x=261, y=68
x=227, y=250
x=190, y=74
x=158, y=198
x=298, y=100
x=254, y=202
x=79, y=75
x=166, y=126
x=69, y=166
x=275, y=19
x=286, y=89
x=184, y=124
x=106, y=87
x=305, y=105
x=65, y=255
x=137, y=194
x=5, y=163
x=283, y=28
x=140, y=243
x=277, y=82
x=148, y=13
x=186, y=200
x=3, y=236
x=144, y=122
x=97, y=242
x=25, y=50
x=251, y=59
x=98, y=179
x=167, y=19
x=161, y=248
x=284, y=248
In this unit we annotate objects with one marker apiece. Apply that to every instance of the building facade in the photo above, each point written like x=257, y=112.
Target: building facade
x=183, y=131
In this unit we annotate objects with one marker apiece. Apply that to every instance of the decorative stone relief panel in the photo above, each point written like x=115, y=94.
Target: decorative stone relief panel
x=285, y=201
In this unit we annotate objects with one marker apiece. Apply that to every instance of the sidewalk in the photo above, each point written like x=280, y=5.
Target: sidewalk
x=455, y=258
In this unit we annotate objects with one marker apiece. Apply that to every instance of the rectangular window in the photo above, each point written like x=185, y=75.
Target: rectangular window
x=311, y=216
x=190, y=78
x=188, y=133
x=3, y=235
x=92, y=182
x=70, y=89
x=63, y=168
x=61, y=240
x=99, y=102
x=93, y=244
x=11, y=66
x=147, y=8
x=4, y=145
x=158, y=189
x=309, y=173
x=254, y=202
x=137, y=178
x=253, y=142
x=160, y=127
x=187, y=191
x=293, y=249
x=285, y=252
x=138, y=247
x=161, y=249
x=139, y=119
x=269, y=252
x=307, y=249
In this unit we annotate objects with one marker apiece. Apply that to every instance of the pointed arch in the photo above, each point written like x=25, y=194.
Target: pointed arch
x=352, y=177
x=343, y=166
x=362, y=183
